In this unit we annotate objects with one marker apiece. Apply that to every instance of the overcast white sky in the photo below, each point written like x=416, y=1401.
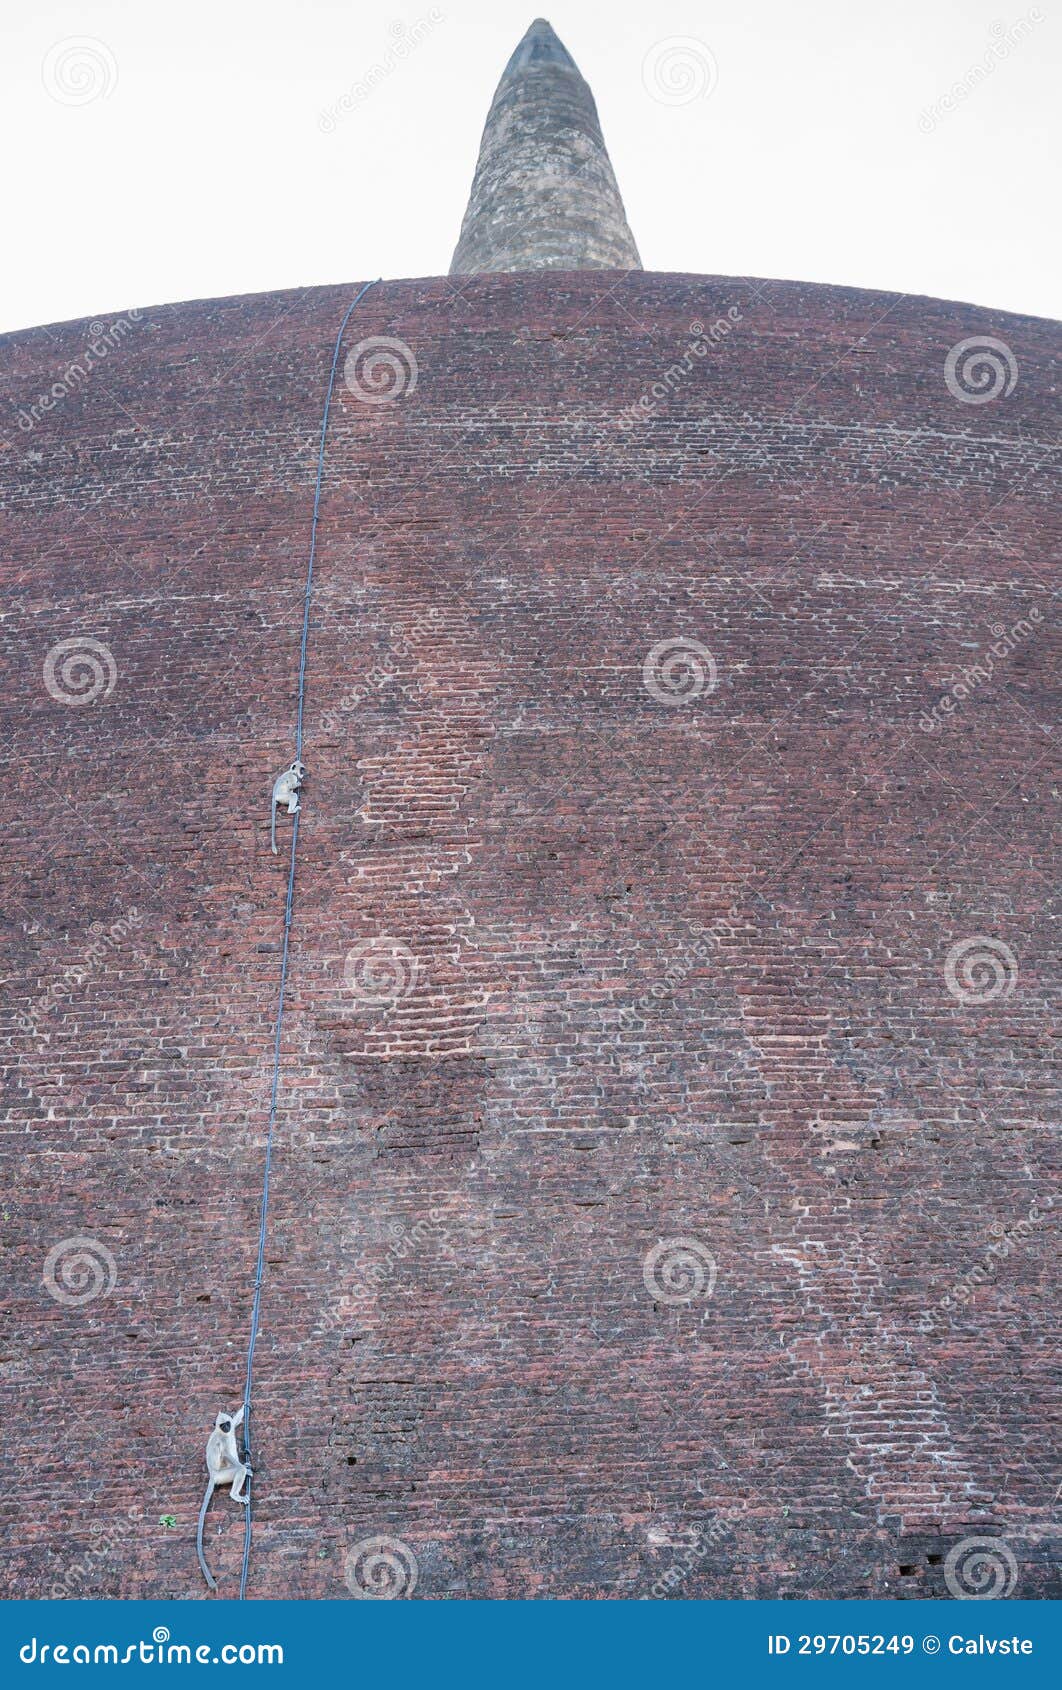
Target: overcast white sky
x=213, y=156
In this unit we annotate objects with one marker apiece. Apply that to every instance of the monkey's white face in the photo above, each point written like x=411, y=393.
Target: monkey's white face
x=224, y=1423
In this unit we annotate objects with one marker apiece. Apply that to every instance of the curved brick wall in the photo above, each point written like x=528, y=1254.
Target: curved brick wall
x=676, y=970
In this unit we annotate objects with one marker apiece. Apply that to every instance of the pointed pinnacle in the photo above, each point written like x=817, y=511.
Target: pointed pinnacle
x=544, y=196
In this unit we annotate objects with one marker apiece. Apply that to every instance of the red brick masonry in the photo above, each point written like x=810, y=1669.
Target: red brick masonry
x=593, y=950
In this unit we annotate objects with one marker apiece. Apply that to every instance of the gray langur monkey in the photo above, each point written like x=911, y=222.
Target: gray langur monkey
x=286, y=791
x=225, y=1466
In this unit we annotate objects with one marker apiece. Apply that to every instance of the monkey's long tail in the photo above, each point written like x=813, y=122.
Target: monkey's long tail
x=211, y=1581
x=273, y=830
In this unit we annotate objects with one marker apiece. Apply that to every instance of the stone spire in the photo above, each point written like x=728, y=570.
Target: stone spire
x=544, y=195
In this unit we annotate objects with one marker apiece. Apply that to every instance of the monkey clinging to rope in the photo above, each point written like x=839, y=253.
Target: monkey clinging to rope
x=225, y=1466
x=286, y=791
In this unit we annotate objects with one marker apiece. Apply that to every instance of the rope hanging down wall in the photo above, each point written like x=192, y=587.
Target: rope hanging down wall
x=264, y=1211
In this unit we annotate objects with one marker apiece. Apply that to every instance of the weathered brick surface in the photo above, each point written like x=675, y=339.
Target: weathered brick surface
x=544, y=196
x=458, y=1345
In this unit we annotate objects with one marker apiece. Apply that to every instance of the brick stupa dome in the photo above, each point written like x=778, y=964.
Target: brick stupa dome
x=661, y=1175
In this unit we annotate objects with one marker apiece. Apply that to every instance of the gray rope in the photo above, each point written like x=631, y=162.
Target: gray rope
x=267, y=1170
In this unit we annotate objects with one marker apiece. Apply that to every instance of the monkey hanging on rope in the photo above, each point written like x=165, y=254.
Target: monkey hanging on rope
x=286, y=791
x=225, y=1466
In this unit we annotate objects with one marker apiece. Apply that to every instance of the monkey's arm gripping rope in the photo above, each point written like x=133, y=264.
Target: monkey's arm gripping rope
x=264, y=1211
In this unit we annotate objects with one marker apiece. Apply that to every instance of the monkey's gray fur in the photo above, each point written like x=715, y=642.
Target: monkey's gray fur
x=286, y=791
x=225, y=1466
